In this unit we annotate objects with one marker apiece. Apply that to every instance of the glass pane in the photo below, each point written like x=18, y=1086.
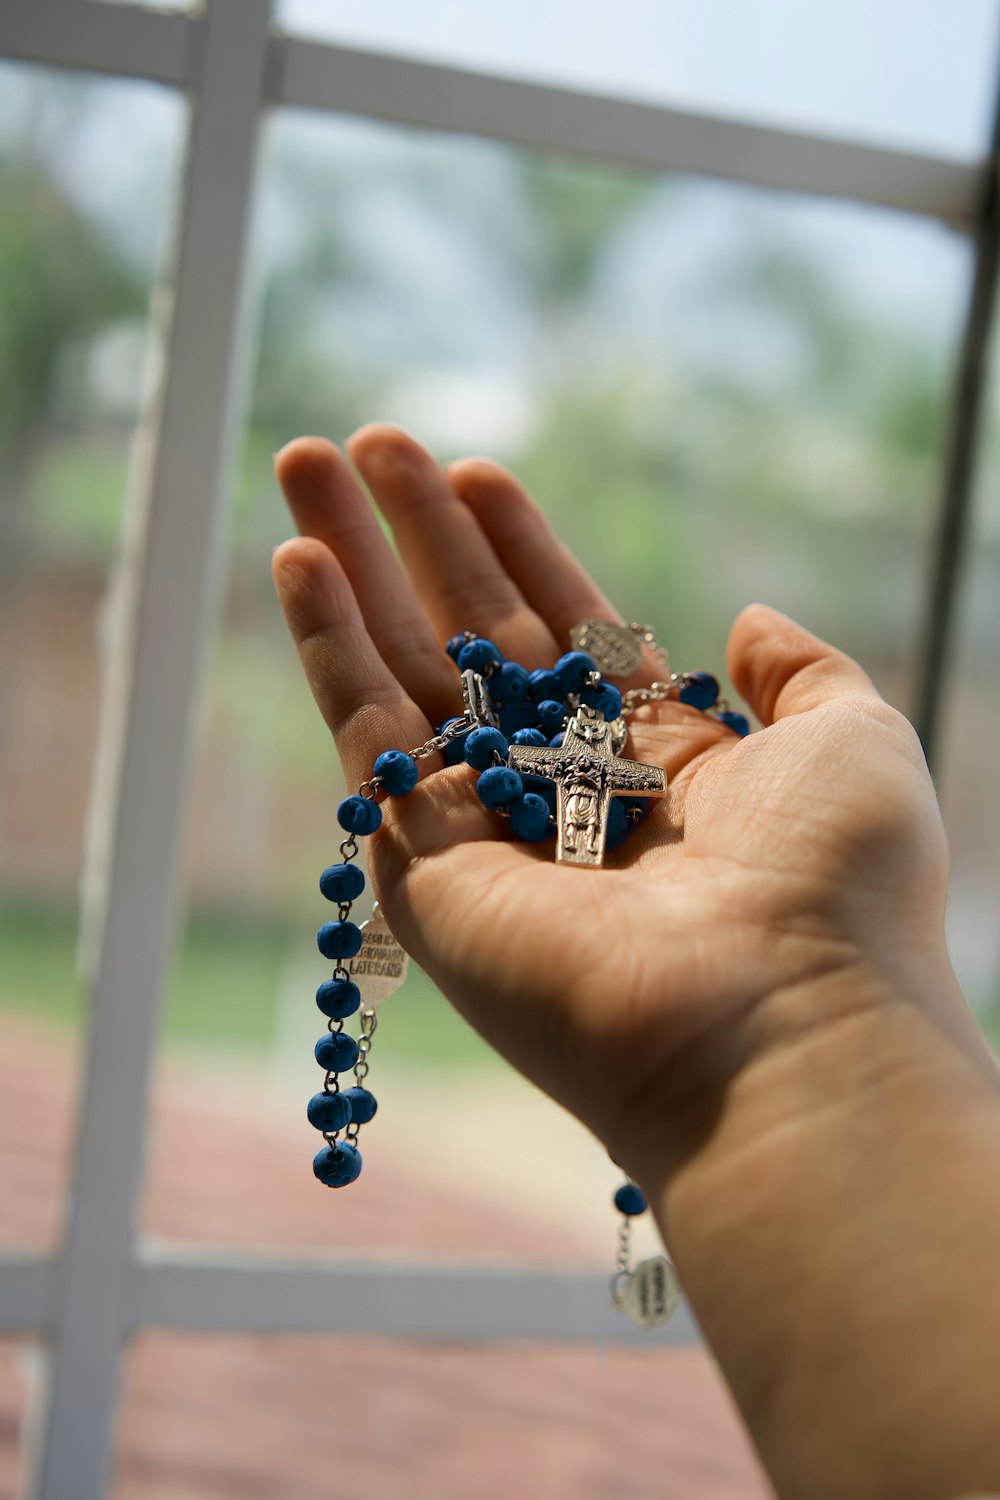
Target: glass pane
x=79, y=238
x=920, y=79
x=751, y=388
x=205, y=1417
x=969, y=790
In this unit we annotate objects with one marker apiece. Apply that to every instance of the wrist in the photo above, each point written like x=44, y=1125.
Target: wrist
x=831, y=1024
x=834, y=1211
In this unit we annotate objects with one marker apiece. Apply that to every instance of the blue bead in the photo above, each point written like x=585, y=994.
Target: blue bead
x=529, y=737
x=573, y=670
x=544, y=684
x=359, y=815
x=498, y=786
x=454, y=646
x=739, y=722
x=700, y=690
x=515, y=716
x=557, y=739
x=329, y=1112
x=510, y=684
x=544, y=789
x=630, y=1200
x=363, y=1105
x=342, y=882
x=339, y=940
x=552, y=715
x=482, y=744
x=618, y=825
x=480, y=655
x=608, y=700
x=338, y=1165
x=338, y=998
x=399, y=772
x=529, y=818
x=336, y=1052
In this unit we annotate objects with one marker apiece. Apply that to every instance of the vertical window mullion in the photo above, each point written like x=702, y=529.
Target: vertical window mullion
x=169, y=591
x=960, y=458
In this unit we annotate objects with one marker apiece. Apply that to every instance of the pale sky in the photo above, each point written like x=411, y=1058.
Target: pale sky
x=916, y=73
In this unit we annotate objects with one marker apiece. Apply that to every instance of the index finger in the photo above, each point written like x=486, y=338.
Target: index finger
x=364, y=705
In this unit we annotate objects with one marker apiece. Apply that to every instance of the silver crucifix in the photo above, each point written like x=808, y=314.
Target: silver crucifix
x=587, y=774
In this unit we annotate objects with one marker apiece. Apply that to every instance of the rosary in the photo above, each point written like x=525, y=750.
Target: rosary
x=548, y=748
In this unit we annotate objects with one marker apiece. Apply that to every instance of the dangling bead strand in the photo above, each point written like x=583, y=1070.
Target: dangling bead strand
x=339, y=1162
x=333, y=1110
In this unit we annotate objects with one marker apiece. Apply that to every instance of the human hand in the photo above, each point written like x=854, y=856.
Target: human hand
x=784, y=881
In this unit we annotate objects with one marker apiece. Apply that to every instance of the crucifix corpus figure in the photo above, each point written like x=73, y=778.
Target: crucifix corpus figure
x=587, y=774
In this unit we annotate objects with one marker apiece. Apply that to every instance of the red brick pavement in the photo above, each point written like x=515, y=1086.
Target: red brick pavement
x=212, y=1418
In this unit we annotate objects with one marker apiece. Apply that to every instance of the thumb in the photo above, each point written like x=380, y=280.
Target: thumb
x=782, y=669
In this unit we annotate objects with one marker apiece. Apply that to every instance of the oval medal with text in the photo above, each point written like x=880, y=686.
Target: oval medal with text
x=616, y=649
x=652, y=1294
x=380, y=967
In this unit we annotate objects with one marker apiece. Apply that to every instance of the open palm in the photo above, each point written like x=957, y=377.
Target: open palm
x=812, y=847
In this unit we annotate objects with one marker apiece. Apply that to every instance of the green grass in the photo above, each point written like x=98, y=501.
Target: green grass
x=224, y=990
x=37, y=965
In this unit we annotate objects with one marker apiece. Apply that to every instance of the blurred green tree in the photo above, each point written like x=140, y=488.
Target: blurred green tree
x=61, y=281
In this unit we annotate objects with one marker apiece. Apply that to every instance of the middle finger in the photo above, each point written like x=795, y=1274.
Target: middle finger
x=461, y=582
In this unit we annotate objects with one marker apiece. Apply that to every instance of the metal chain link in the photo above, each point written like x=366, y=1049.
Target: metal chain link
x=623, y=1262
x=369, y=1021
x=370, y=789
x=439, y=741
x=658, y=692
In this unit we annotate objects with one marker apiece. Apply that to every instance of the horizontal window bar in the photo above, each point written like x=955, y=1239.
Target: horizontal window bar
x=127, y=40
x=99, y=38
x=400, y=1300
x=571, y=122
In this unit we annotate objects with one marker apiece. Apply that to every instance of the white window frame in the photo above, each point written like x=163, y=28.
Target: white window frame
x=233, y=65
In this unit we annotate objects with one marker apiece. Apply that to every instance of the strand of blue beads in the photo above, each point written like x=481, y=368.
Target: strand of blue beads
x=334, y=1110
x=338, y=1162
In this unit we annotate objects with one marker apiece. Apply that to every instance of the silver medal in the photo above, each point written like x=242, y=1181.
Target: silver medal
x=380, y=967
x=650, y=1294
x=616, y=649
